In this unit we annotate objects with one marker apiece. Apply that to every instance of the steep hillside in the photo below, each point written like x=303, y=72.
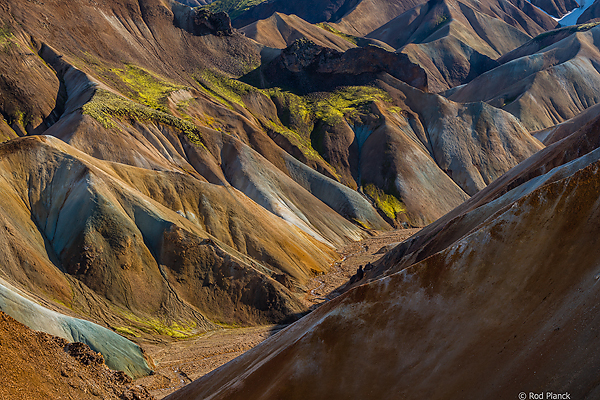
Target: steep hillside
x=162, y=160
x=193, y=177
x=403, y=117
x=313, y=11
x=549, y=85
x=456, y=41
x=513, y=300
x=280, y=31
x=558, y=8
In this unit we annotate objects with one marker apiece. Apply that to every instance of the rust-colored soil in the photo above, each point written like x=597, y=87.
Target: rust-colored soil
x=37, y=366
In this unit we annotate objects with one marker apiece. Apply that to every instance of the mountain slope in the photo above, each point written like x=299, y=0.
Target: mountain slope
x=536, y=96
x=511, y=298
x=455, y=41
x=280, y=31
x=37, y=365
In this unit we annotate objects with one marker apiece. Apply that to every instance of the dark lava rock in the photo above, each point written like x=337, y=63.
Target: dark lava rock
x=201, y=22
x=82, y=353
x=205, y=22
x=306, y=67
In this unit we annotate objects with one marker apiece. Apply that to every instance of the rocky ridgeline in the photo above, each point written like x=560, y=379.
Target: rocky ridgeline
x=308, y=67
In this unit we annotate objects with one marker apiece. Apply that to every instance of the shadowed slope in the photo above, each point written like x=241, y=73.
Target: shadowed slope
x=454, y=41
x=511, y=301
x=548, y=87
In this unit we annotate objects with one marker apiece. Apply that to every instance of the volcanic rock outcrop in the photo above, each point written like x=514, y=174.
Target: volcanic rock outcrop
x=306, y=67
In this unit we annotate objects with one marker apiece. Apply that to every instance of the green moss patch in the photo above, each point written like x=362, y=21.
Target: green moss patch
x=387, y=203
x=226, y=90
x=104, y=106
x=232, y=7
x=145, y=87
x=346, y=103
x=153, y=326
x=332, y=108
x=352, y=39
x=125, y=331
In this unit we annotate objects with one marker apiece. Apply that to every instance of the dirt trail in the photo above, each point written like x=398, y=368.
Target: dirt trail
x=323, y=288
x=181, y=362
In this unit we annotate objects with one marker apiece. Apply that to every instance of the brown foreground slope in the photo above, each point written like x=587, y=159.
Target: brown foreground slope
x=38, y=366
x=507, y=309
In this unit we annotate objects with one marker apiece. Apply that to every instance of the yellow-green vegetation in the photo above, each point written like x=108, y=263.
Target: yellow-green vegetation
x=7, y=38
x=329, y=28
x=177, y=330
x=295, y=139
x=104, y=106
x=298, y=106
x=145, y=87
x=332, y=108
x=346, y=103
x=123, y=330
x=387, y=203
x=226, y=325
x=232, y=7
x=363, y=224
x=226, y=90
x=440, y=20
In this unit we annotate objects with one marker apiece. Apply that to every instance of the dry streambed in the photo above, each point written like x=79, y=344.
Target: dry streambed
x=181, y=362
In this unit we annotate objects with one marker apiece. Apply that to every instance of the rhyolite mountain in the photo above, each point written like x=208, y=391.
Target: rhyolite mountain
x=456, y=41
x=508, y=280
x=164, y=173
x=562, y=59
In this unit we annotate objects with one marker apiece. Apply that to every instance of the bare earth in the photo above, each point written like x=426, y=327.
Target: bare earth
x=181, y=362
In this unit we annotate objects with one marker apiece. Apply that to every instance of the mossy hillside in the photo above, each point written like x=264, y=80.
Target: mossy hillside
x=299, y=141
x=153, y=326
x=225, y=90
x=232, y=7
x=387, y=203
x=294, y=111
x=352, y=39
x=8, y=39
x=145, y=87
x=347, y=103
x=125, y=331
x=105, y=106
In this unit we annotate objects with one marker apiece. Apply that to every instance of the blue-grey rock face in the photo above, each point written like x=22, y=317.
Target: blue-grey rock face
x=119, y=353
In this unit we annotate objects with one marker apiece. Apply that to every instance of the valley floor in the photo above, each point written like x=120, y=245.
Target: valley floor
x=181, y=362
